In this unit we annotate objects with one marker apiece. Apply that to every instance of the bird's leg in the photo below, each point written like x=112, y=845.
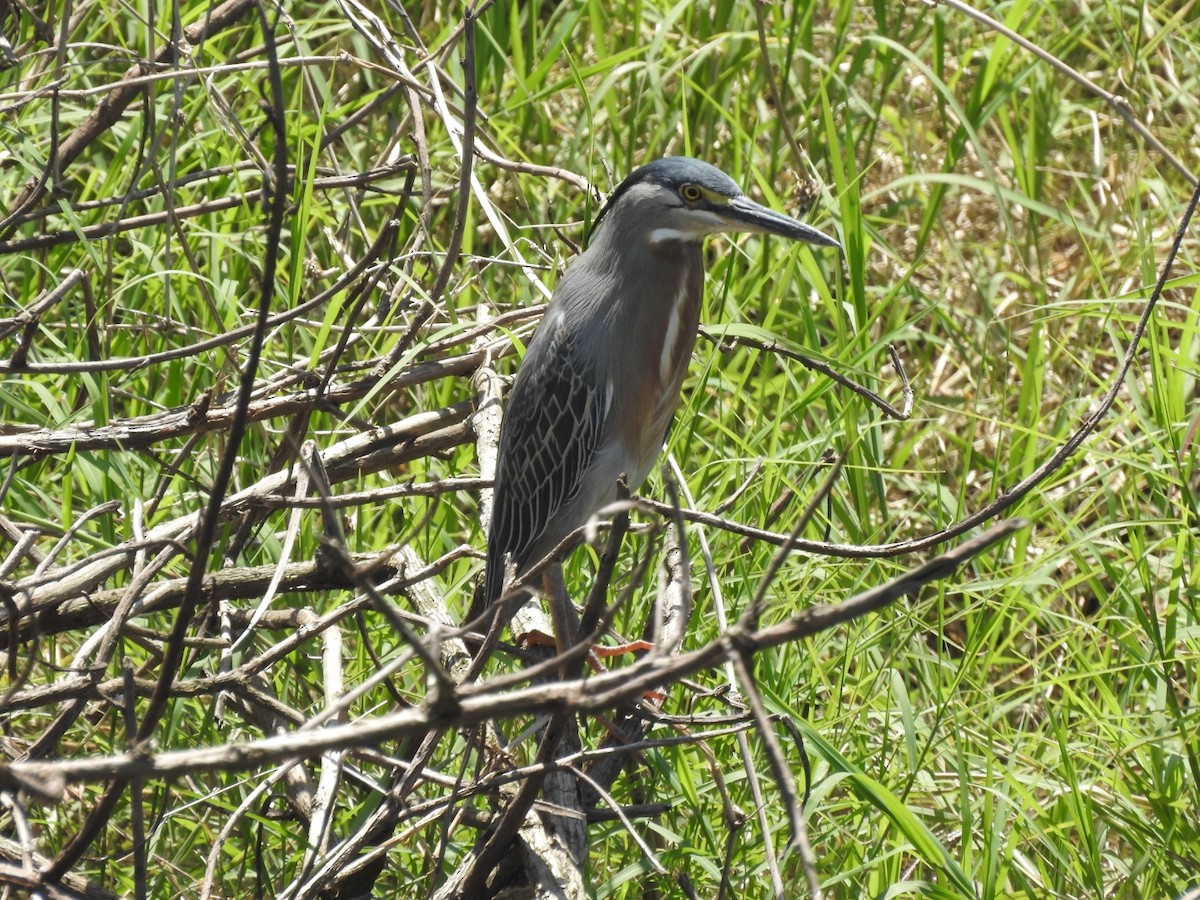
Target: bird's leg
x=562, y=612
x=565, y=619
x=639, y=646
x=530, y=626
x=566, y=622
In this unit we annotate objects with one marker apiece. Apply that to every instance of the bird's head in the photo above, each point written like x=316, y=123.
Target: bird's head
x=679, y=199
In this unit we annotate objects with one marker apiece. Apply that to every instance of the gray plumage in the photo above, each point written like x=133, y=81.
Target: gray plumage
x=595, y=394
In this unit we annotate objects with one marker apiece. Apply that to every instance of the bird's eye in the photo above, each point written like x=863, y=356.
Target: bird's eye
x=690, y=193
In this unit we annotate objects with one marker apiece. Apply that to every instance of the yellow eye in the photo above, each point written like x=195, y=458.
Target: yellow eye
x=690, y=193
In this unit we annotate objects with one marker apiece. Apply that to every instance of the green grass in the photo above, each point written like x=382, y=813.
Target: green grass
x=1026, y=729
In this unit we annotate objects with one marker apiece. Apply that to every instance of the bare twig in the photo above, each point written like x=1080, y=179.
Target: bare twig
x=229, y=337
x=112, y=105
x=206, y=533
x=728, y=342
x=487, y=702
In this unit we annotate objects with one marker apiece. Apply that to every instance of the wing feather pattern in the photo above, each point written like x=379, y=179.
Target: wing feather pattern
x=551, y=433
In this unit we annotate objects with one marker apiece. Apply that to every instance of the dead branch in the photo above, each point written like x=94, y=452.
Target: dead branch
x=493, y=700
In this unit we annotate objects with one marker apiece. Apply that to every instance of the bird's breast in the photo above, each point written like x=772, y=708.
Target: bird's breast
x=654, y=365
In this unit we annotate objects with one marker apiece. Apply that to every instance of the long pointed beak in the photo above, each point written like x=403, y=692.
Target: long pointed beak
x=743, y=214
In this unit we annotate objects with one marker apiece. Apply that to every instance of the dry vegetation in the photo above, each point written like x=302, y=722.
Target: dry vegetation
x=262, y=274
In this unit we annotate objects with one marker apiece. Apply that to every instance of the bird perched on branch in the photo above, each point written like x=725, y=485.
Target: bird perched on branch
x=595, y=394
